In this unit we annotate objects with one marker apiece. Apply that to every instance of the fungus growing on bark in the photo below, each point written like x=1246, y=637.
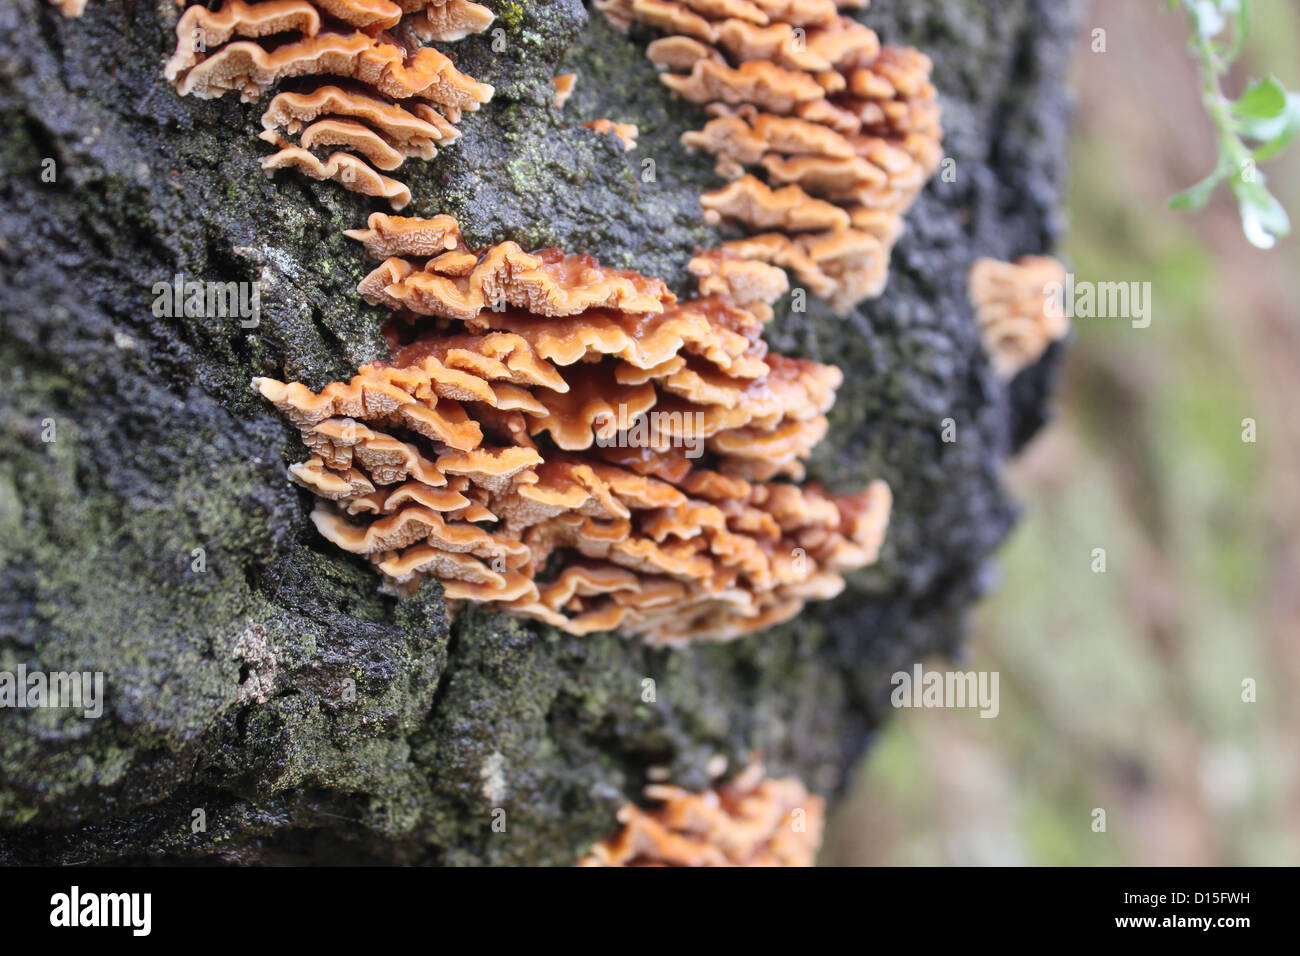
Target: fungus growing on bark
x=409, y=134
x=549, y=283
x=756, y=83
x=342, y=168
x=826, y=135
x=376, y=14
x=721, y=272
x=387, y=235
x=1017, y=315
x=590, y=452
x=395, y=102
x=625, y=131
x=215, y=27
x=680, y=53
x=752, y=203
x=751, y=820
x=564, y=84
x=448, y=20
x=69, y=8
x=745, y=139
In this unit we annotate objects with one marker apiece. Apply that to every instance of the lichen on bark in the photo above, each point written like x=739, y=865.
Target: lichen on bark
x=389, y=732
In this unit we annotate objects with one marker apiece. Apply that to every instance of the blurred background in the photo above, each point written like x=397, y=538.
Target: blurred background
x=1123, y=690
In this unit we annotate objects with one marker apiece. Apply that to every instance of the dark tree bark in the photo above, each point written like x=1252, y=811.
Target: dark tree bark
x=161, y=448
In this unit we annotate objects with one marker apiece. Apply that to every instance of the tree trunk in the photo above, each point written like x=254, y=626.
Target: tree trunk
x=148, y=527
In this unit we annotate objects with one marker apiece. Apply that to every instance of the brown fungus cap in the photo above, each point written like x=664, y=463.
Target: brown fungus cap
x=751, y=820
x=747, y=138
x=665, y=15
x=340, y=167
x=753, y=203
x=363, y=13
x=549, y=283
x=411, y=135
x=236, y=18
x=451, y=20
x=744, y=281
x=564, y=85
x=356, y=136
x=679, y=53
x=250, y=69
x=759, y=82
x=1018, y=308
x=387, y=235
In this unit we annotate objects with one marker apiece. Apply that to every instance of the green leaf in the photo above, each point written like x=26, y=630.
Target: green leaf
x=1265, y=100
x=1276, y=133
x=1195, y=198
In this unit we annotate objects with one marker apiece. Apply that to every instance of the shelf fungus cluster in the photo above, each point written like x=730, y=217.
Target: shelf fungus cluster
x=825, y=135
x=356, y=86
x=571, y=442
x=751, y=821
x=1018, y=312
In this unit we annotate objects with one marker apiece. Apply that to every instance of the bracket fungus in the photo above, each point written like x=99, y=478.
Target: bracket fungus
x=583, y=449
x=564, y=85
x=448, y=20
x=69, y=8
x=392, y=98
x=751, y=820
x=1018, y=316
x=825, y=135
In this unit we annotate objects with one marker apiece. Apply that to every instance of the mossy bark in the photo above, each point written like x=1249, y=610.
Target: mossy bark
x=147, y=525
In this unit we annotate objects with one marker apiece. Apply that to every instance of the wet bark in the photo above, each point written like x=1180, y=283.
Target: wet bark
x=153, y=530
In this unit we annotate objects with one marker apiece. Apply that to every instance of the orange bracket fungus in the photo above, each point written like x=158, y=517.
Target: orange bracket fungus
x=564, y=84
x=826, y=136
x=573, y=444
x=389, y=97
x=1017, y=314
x=750, y=821
x=69, y=8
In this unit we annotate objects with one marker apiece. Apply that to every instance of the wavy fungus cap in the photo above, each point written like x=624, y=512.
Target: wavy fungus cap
x=750, y=821
x=448, y=20
x=1018, y=309
x=594, y=454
